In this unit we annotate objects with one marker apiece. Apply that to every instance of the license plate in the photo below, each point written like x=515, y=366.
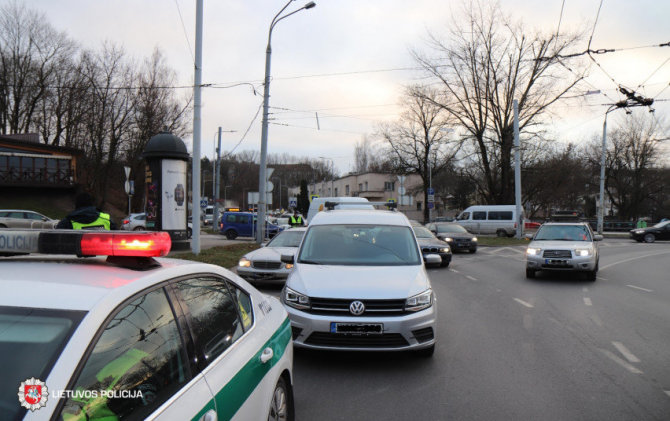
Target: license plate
x=357, y=328
x=556, y=262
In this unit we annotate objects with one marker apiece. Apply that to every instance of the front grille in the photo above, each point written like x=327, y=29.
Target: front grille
x=266, y=265
x=340, y=307
x=430, y=249
x=424, y=335
x=385, y=340
x=554, y=254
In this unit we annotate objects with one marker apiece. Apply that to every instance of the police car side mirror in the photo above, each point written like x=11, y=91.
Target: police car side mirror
x=287, y=258
x=597, y=237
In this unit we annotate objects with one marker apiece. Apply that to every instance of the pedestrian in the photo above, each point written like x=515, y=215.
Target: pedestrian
x=296, y=219
x=86, y=216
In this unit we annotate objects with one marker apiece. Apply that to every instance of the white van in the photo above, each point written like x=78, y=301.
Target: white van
x=319, y=203
x=501, y=220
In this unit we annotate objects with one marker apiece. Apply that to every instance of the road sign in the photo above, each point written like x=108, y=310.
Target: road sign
x=401, y=190
x=269, y=186
x=431, y=190
x=391, y=201
x=292, y=202
x=431, y=205
x=431, y=198
x=203, y=202
x=313, y=196
x=126, y=186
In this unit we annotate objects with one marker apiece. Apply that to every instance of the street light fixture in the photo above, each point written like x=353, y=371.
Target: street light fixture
x=262, y=180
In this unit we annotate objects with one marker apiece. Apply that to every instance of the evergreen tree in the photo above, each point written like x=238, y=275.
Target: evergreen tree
x=303, y=198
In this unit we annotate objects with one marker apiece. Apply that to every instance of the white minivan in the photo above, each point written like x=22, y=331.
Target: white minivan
x=501, y=220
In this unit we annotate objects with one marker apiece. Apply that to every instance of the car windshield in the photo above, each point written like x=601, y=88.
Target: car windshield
x=422, y=232
x=30, y=342
x=563, y=233
x=287, y=238
x=362, y=245
x=451, y=228
x=661, y=224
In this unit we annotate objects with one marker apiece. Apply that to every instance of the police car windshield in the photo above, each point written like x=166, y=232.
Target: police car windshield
x=30, y=342
x=360, y=245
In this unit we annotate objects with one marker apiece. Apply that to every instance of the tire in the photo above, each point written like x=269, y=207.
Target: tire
x=231, y=235
x=591, y=275
x=426, y=352
x=530, y=273
x=445, y=264
x=138, y=229
x=3, y=226
x=473, y=251
x=189, y=232
x=501, y=233
x=649, y=238
x=281, y=405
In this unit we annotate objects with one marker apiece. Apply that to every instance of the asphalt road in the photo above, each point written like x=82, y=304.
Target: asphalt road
x=554, y=348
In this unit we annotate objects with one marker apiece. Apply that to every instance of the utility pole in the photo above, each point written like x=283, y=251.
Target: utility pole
x=517, y=172
x=195, y=189
x=217, y=180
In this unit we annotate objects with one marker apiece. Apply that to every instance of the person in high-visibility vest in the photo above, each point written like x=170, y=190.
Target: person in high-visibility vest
x=86, y=216
x=296, y=220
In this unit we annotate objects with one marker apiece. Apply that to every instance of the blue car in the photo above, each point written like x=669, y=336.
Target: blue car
x=239, y=224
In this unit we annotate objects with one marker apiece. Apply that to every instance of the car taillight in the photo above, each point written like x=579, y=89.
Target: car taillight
x=126, y=221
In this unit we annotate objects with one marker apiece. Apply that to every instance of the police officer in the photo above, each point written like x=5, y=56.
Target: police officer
x=86, y=216
x=296, y=220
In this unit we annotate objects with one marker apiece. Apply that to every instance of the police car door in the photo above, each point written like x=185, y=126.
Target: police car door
x=230, y=342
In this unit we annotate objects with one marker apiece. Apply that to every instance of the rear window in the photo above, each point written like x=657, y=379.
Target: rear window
x=500, y=216
x=31, y=340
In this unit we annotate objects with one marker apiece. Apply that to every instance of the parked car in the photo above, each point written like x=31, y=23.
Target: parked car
x=265, y=263
x=17, y=218
x=455, y=235
x=137, y=222
x=359, y=284
x=139, y=337
x=239, y=224
x=660, y=231
x=563, y=246
x=134, y=222
x=430, y=244
x=500, y=220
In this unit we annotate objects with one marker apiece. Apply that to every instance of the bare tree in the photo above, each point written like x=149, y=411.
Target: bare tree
x=419, y=141
x=486, y=63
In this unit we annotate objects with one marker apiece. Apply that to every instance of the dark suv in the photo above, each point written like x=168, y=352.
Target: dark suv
x=238, y=224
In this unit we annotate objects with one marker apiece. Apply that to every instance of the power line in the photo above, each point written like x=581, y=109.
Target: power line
x=188, y=42
x=594, y=25
x=247, y=131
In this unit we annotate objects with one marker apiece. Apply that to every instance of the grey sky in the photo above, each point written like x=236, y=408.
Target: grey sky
x=337, y=59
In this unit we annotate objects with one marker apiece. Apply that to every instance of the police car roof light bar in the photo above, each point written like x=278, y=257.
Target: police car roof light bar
x=113, y=244
x=330, y=205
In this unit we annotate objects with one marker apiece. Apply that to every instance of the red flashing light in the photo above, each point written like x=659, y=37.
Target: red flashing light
x=153, y=244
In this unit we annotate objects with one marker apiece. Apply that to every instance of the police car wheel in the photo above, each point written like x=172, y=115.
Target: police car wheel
x=280, y=406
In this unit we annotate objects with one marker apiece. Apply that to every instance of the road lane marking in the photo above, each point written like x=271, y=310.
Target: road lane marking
x=470, y=278
x=622, y=363
x=587, y=301
x=640, y=288
x=667, y=392
x=585, y=289
x=454, y=270
x=523, y=303
x=634, y=258
x=625, y=352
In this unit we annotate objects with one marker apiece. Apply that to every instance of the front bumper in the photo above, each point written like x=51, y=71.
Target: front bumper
x=586, y=263
x=409, y=331
x=463, y=245
x=252, y=274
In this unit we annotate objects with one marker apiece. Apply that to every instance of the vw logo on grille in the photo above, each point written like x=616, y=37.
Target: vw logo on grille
x=356, y=308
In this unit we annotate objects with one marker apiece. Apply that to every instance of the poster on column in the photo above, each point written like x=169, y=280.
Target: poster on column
x=174, y=194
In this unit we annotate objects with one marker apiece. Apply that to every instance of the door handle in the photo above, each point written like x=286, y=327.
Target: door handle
x=267, y=355
x=209, y=416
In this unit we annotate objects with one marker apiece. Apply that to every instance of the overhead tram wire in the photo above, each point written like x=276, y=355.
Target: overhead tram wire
x=188, y=42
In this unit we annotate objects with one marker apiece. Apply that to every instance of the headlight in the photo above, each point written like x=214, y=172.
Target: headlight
x=420, y=302
x=533, y=251
x=582, y=252
x=444, y=250
x=295, y=299
x=639, y=231
x=244, y=262
x=448, y=239
x=474, y=238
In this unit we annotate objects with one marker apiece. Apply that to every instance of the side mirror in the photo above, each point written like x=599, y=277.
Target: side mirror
x=597, y=237
x=289, y=258
x=432, y=259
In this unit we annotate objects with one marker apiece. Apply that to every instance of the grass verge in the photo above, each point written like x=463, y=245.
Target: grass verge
x=501, y=241
x=224, y=256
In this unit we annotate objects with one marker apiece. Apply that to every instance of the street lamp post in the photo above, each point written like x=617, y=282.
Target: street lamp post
x=262, y=181
x=332, y=174
x=603, y=154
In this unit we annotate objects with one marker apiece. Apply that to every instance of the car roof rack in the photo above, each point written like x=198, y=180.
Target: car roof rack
x=330, y=205
x=133, y=250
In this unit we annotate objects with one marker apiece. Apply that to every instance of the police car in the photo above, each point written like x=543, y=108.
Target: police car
x=132, y=335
